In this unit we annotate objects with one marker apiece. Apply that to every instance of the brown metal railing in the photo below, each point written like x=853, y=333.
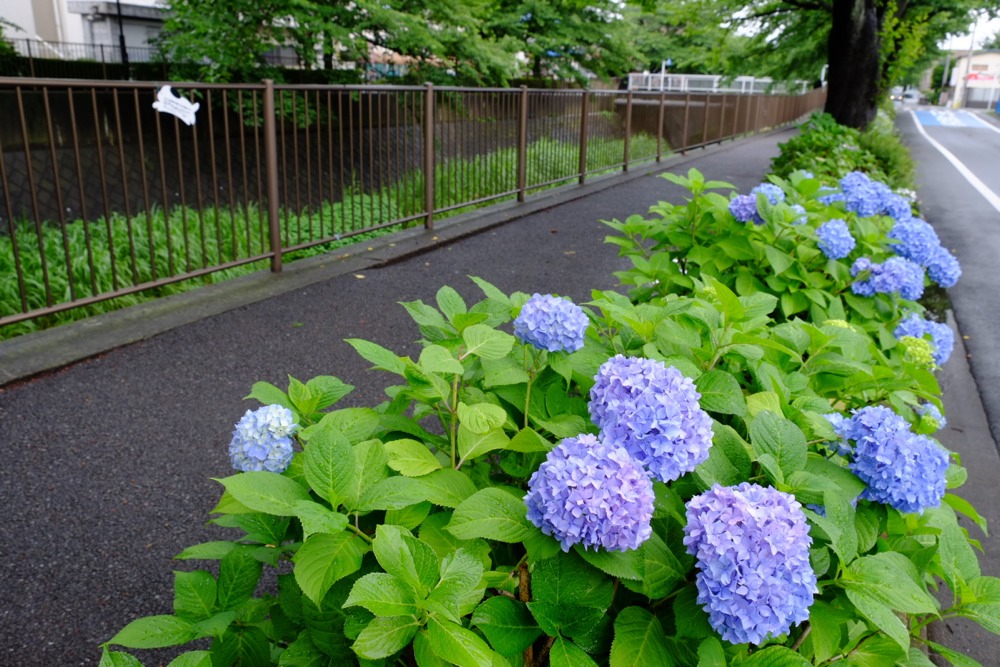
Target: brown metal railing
x=103, y=196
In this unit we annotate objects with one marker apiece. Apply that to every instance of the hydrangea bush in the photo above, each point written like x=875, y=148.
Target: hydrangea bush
x=706, y=472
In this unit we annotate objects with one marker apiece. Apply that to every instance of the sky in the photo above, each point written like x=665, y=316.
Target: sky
x=984, y=32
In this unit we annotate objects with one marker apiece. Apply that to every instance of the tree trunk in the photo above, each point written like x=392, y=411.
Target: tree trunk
x=854, y=73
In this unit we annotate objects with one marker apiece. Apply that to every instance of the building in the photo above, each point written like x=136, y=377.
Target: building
x=976, y=82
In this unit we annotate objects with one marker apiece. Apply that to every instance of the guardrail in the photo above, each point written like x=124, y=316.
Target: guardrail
x=102, y=196
x=714, y=83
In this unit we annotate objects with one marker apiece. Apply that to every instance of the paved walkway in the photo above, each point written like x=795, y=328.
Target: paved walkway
x=107, y=462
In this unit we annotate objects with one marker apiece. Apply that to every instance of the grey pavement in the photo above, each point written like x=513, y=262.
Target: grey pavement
x=108, y=460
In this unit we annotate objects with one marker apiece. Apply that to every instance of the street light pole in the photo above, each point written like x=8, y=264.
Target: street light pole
x=121, y=34
x=963, y=84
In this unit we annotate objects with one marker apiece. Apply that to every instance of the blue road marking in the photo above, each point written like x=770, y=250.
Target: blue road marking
x=948, y=118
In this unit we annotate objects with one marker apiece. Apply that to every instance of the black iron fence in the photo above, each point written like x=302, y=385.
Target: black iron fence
x=102, y=195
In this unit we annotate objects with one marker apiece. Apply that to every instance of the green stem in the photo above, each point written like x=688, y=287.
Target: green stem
x=357, y=531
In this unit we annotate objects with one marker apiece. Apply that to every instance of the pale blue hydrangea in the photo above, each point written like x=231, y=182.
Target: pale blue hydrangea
x=551, y=323
x=774, y=194
x=652, y=410
x=930, y=414
x=262, y=440
x=751, y=545
x=861, y=195
x=835, y=239
x=918, y=242
x=592, y=493
x=944, y=269
x=802, y=217
x=941, y=336
x=841, y=426
x=828, y=196
x=899, y=467
x=897, y=207
x=744, y=209
x=895, y=275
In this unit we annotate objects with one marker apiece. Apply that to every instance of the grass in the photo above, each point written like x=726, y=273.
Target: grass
x=127, y=252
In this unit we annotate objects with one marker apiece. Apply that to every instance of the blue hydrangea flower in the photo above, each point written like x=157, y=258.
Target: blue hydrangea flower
x=751, y=545
x=835, y=239
x=895, y=275
x=551, y=323
x=841, y=426
x=902, y=469
x=861, y=195
x=828, y=196
x=591, y=493
x=931, y=415
x=803, y=217
x=651, y=410
x=918, y=242
x=943, y=268
x=897, y=207
x=941, y=336
x=262, y=440
x=744, y=209
x=774, y=194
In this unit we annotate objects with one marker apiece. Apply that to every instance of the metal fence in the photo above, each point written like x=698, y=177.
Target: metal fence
x=714, y=83
x=102, y=196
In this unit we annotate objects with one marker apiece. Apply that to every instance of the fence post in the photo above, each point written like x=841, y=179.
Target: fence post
x=659, y=127
x=104, y=65
x=429, y=156
x=271, y=172
x=584, y=115
x=684, y=132
x=31, y=60
x=628, y=131
x=522, y=145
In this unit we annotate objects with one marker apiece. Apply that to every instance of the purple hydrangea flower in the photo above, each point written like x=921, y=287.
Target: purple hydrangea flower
x=896, y=274
x=861, y=194
x=744, y=209
x=651, y=410
x=835, y=239
x=751, y=545
x=943, y=268
x=918, y=242
x=902, y=469
x=262, y=440
x=774, y=194
x=803, y=217
x=551, y=323
x=941, y=336
x=591, y=493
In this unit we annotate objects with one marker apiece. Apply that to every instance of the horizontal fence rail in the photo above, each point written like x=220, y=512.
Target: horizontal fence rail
x=102, y=196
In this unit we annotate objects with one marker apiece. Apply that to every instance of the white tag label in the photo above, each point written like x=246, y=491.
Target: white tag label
x=167, y=102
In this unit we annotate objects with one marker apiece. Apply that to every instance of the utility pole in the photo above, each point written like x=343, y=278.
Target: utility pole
x=961, y=90
x=121, y=35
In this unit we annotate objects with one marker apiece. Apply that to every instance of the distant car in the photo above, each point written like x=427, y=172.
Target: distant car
x=911, y=97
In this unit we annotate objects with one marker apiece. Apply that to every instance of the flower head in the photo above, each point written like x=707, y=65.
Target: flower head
x=918, y=241
x=803, y=217
x=551, y=323
x=591, y=493
x=902, y=469
x=744, y=209
x=751, y=545
x=651, y=410
x=931, y=419
x=262, y=440
x=835, y=239
x=943, y=268
x=896, y=274
x=897, y=207
x=942, y=338
x=774, y=194
x=841, y=427
x=861, y=194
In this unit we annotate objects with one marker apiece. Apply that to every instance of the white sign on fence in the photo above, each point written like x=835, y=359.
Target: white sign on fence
x=167, y=102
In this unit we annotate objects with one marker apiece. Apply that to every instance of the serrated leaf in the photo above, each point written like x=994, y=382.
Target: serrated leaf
x=385, y=636
x=620, y=564
x=325, y=558
x=383, y=595
x=266, y=492
x=154, y=632
x=775, y=656
x=450, y=302
x=711, y=653
x=639, y=640
x=983, y=603
x=779, y=438
x=458, y=645
x=318, y=519
x=881, y=616
x=877, y=652
x=239, y=573
x=267, y=394
x=206, y=551
x=461, y=576
x=329, y=464
x=486, y=342
x=436, y=359
x=194, y=595
x=492, y=514
x=567, y=654
x=216, y=626
x=891, y=578
x=481, y=418
x=393, y=493
x=528, y=440
x=447, y=487
x=720, y=392
x=405, y=557
x=192, y=659
x=328, y=390
x=471, y=445
x=507, y=624
x=356, y=424
x=380, y=357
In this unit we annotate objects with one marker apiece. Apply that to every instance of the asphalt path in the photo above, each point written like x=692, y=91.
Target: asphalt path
x=107, y=463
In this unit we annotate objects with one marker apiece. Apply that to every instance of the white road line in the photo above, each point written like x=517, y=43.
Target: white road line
x=987, y=124
x=973, y=180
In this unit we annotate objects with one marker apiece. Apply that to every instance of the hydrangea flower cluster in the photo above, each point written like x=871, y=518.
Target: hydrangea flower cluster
x=842, y=427
x=861, y=194
x=942, y=337
x=803, y=217
x=920, y=350
x=944, y=268
x=828, y=197
x=902, y=469
x=262, y=440
x=744, y=209
x=751, y=545
x=651, y=410
x=897, y=207
x=931, y=417
x=774, y=194
x=835, y=239
x=551, y=323
x=918, y=241
x=592, y=493
x=896, y=274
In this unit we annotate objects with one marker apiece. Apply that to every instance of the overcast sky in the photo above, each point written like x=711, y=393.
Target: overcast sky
x=984, y=32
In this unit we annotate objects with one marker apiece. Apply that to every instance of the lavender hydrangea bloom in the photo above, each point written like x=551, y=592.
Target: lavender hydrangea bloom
x=861, y=194
x=902, y=469
x=943, y=268
x=918, y=242
x=896, y=274
x=262, y=440
x=942, y=337
x=592, y=493
x=744, y=209
x=751, y=545
x=651, y=410
x=774, y=194
x=551, y=323
x=835, y=239
x=803, y=217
